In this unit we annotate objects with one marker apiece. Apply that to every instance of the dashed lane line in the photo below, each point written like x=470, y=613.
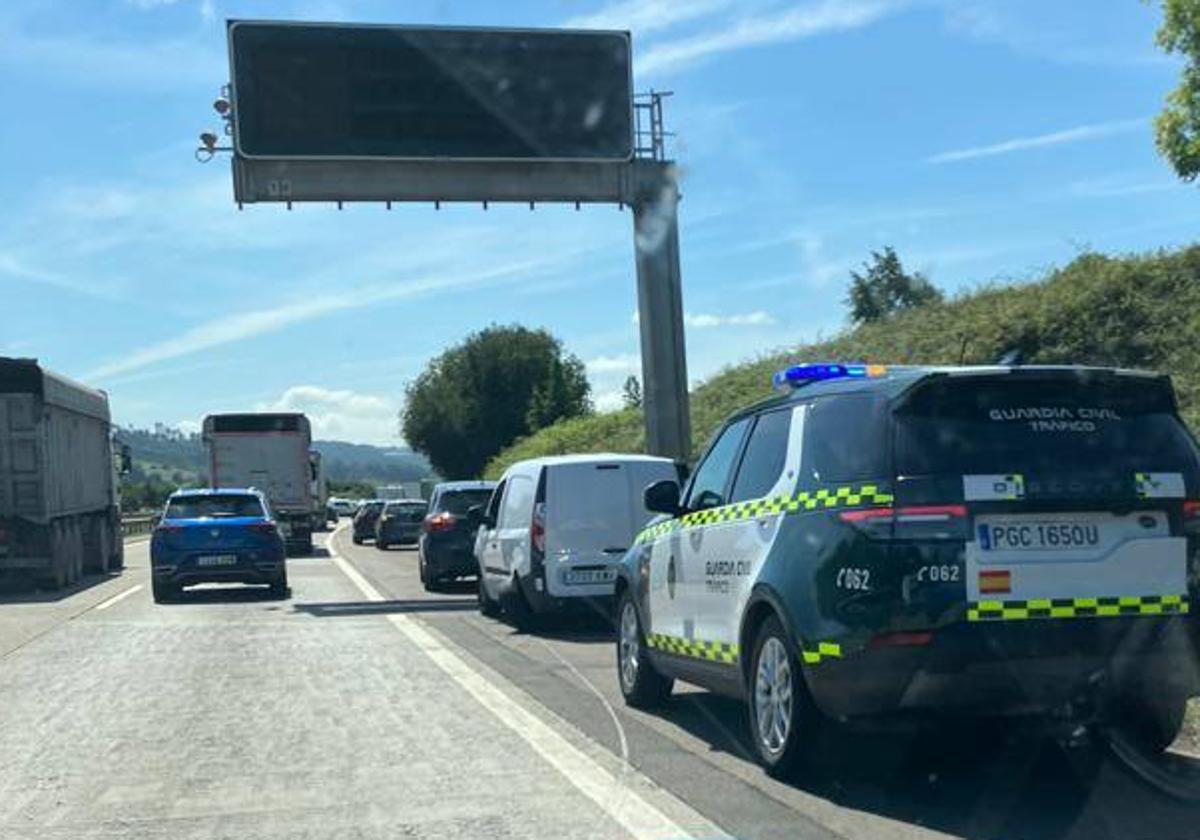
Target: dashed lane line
x=120, y=596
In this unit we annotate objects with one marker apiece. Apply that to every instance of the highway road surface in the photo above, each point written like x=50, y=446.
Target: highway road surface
x=363, y=707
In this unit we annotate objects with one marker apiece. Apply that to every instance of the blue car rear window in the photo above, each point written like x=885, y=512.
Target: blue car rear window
x=213, y=507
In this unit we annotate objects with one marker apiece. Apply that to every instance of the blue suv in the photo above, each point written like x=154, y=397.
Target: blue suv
x=216, y=536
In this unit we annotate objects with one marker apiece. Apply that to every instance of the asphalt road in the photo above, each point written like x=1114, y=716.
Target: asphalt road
x=363, y=707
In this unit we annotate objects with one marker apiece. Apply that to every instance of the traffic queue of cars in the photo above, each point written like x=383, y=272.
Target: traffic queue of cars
x=871, y=545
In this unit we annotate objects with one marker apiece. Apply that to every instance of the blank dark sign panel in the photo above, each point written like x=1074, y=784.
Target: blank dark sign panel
x=336, y=91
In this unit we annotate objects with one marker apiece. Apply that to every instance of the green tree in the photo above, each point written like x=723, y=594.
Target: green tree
x=500, y=384
x=884, y=288
x=631, y=392
x=1177, y=127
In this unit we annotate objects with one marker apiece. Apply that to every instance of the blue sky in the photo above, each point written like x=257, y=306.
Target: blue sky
x=985, y=139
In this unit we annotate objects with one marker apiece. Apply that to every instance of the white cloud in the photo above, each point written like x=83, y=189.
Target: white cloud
x=1055, y=138
x=645, y=16
x=702, y=321
x=342, y=414
x=231, y=328
x=794, y=24
x=625, y=363
x=609, y=400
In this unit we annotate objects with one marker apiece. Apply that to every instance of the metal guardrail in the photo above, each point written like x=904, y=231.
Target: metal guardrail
x=137, y=525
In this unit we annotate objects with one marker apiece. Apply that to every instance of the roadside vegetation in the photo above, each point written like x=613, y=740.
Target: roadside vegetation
x=1133, y=311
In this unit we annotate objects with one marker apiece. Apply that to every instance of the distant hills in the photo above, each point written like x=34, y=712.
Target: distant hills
x=166, y=451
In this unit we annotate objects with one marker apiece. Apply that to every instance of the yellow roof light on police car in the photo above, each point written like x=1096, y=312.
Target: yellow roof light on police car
x=800, y=375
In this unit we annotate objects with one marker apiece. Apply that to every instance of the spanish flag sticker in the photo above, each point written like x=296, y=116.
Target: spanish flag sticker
x=998, y=582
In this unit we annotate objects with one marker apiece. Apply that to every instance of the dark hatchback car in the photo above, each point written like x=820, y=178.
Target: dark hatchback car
x=446, y=547
x=363, y=526
x=216, y=536
x=399, y=523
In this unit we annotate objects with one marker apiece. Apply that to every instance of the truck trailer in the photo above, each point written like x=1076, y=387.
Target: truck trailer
x=269, y=452
x=60, y=513
x=320, y=492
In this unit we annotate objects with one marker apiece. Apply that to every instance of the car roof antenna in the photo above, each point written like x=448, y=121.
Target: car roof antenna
x=1012, y=357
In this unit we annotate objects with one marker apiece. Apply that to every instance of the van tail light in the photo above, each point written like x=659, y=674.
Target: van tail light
x=911, y=522
x=439, y=522
x=537, y=528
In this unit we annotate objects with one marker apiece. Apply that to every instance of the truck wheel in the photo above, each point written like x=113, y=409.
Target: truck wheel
x=642, y=686
x=488, y=605
x=164, y=593
x=783, y=719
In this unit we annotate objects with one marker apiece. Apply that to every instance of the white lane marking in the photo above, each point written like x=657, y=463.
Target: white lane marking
x=120, y=596
x=590, y=686
x=625, y=806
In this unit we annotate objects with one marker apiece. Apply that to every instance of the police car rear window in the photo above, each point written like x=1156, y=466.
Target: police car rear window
x=1047, y=425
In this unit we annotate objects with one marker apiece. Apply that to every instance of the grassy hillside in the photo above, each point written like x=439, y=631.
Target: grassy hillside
x=1134, y=311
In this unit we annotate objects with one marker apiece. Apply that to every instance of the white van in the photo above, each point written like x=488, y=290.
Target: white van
x=555, y=529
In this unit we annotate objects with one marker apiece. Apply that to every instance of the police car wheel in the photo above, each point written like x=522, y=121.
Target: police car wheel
x=781, y=713
x=1153, y=722
x=641, y=685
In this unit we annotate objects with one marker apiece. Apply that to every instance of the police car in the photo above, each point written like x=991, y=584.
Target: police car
x=883, y=542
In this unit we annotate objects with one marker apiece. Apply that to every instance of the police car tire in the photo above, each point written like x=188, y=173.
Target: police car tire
x=802, y=723
x=1154, y=721
x=649, y=688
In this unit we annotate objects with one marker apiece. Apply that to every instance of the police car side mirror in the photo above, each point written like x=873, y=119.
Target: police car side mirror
x=662, y=497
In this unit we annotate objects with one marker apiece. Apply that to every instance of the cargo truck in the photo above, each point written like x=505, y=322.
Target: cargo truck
x=269, y=452
x=60, y=513
x=320, y=493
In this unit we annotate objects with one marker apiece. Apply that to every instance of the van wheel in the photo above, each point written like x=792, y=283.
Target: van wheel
x=641, y=685
x=783, y=718
x=488, y=605
x=518, y=609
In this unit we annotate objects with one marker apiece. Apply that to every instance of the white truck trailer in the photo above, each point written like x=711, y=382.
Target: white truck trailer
x=60, y=510
x=270, y=453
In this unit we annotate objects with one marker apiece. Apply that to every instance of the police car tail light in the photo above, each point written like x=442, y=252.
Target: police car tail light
x=912, y=522
x=537, y=528
x=1191, y=516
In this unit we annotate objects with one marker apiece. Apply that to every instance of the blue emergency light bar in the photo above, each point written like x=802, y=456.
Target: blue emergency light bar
x=799, y=375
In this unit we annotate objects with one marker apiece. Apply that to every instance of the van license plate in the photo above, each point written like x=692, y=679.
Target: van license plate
x=591, y=576
x=1026, y=535
x=217, y=560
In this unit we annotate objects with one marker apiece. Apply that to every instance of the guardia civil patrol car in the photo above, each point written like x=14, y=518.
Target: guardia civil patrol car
x=878, y=543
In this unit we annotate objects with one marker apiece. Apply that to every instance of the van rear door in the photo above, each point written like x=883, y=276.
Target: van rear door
x=593, y=510
x=1066, y=489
